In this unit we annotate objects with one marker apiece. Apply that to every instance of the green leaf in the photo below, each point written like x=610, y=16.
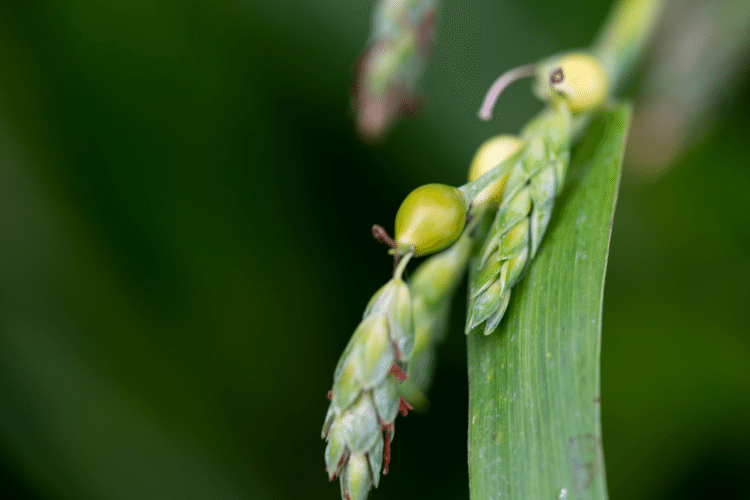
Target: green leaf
x=534, y=427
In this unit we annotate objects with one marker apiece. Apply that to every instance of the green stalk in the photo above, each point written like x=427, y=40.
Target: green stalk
x=625, y=35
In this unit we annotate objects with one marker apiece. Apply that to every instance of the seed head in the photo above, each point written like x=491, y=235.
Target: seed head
x=365, y=398
x=522, y=217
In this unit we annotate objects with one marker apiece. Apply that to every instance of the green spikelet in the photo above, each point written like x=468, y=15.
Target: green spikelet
x=365, y=396
x=522, y=217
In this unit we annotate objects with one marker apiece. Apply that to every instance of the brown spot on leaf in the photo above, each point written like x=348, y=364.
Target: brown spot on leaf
x=586, y=461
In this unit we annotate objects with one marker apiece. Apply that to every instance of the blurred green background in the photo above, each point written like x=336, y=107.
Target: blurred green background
x=185, y=250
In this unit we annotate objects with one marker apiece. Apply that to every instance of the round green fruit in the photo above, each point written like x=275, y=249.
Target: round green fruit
x=429, y=219
x=489, y=155
x=577, y=78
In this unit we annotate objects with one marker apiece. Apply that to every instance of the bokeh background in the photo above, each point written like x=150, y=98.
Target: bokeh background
x=184, y=245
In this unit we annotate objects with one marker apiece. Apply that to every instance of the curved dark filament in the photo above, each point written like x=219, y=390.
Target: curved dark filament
x=380, y=234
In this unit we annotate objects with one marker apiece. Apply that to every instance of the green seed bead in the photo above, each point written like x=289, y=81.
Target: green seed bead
x=578, y=78
x=430, y=218
x=490, y=154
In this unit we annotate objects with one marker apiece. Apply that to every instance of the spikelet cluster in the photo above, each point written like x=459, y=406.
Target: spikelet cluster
x=522, y=217
x=396, y=337
x=365, y=398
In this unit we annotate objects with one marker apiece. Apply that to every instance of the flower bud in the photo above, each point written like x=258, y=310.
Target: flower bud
x=430, y=218
x=490, y=154
x=357, y=477
x=394, y=301
x=336, y=448
x=487, y=303
x=374, y=355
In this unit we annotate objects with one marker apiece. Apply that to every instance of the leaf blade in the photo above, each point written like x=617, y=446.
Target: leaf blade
x=534, y=423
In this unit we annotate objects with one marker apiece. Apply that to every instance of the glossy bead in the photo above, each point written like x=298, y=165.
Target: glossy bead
x=430, y=218
x=490, y=154
x=578, y=78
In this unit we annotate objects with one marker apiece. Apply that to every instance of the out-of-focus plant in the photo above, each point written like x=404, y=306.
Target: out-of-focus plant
x=699, y=59
x=389, y=70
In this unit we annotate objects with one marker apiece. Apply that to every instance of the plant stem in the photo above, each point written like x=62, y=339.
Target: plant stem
x=402, y=265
